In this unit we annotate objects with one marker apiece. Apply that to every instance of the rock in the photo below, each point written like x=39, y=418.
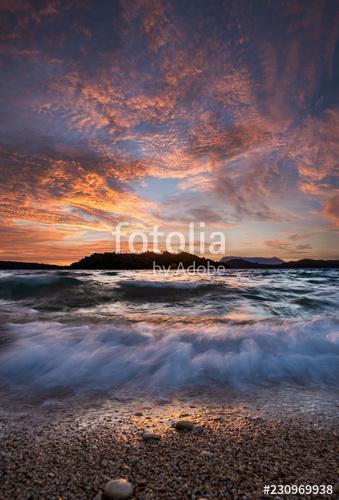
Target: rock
x=184, y=425
x=198, y=429
x=138, y=414
x=207, y=454
x=118, y=488
x=150, y=436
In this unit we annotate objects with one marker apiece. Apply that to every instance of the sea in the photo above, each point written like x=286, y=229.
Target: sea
x=97, y=331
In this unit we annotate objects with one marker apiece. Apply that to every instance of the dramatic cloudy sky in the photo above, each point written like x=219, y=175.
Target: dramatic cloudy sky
x=169, y=112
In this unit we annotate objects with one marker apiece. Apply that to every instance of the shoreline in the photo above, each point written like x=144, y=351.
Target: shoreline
x=70, y=447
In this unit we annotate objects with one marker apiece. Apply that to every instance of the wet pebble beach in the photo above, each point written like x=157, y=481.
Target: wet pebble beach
x=192, y=446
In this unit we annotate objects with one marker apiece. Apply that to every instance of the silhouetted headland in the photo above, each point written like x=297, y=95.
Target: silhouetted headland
x=146, y=260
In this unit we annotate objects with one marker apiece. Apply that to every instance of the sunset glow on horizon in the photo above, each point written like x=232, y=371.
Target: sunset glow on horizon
x=163, y=113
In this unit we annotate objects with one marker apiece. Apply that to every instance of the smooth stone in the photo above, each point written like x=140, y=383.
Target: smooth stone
x=207, y=454
x=184, y=425
x=150, y=436
x=118, y=488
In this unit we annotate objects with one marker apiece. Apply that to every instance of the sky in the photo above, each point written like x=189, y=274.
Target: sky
x=164, y=113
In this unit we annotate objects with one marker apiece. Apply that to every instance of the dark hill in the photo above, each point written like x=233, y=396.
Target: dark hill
x=110, y=260
x=245, y=264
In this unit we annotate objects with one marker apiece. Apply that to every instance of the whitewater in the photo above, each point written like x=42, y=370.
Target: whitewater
x=92, y=331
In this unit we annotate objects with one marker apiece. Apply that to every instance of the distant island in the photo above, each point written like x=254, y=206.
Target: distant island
x=146, y=260
x=266, y=261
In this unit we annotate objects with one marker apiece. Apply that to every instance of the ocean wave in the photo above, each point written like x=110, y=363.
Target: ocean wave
x=54, y=292
x=49, y=355
x=165, y=290
x=26, y=286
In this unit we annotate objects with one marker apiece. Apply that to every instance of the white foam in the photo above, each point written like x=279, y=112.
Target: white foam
x=52, y=354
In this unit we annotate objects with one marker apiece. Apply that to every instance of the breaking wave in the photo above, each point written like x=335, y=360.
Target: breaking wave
x=27, y=286
x=97, y=330
x=165, y=290
x=49, y=355
x=53, y=292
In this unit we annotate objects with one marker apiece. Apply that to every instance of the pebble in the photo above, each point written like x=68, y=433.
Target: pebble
x=118, y=488
x=198, y=429
x=207, y=454
x=138, y=414
x=180, y=465
x=150, y=436
x=184, y=425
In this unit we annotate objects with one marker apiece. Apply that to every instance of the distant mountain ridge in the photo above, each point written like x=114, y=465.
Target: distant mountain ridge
x=268, y=261
x=10, y=264
x=293, y=264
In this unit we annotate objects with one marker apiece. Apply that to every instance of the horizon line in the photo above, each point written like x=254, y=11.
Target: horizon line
x=284, y=260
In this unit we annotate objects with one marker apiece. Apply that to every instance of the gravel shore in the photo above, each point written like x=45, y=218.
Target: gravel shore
x=70, y=448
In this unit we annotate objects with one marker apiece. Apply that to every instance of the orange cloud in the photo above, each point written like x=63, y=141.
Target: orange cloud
x=331, y=209
x=237, y=122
